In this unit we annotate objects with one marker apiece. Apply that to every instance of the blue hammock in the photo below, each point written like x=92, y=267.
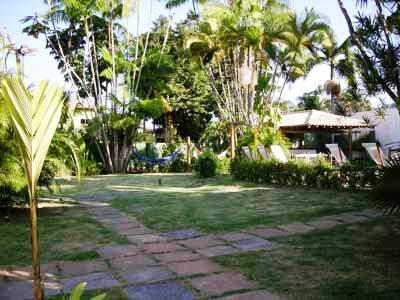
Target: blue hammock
x=158, y=161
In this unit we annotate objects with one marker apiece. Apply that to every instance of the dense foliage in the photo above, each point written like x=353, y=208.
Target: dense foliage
x=206, y=165
x=387, y=191
x=296, y=173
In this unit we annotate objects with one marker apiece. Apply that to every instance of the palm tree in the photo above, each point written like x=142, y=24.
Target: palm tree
x=35, y=118
x=304, y=38
x=176, y=3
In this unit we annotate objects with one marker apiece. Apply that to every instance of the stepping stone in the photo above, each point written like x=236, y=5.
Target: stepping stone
x=162, y=247
x=135, y=231
x=217, y=251
x=324, y=224
x=124, y=226
x=253, y=244
x=257, y=295
x=139, y=210
x=296, y=228
x=234, y=237
x=146, y=239
x=132, y=262
x=370, y=213
x=94, y=281
x=202, y=242
x=195, y=267
x=118, y=251
x=177, y=256
x=75, y=268
x=216, y=285
x=48, y=271
x=147, y=275
x=164, y=291
x=350, y=218
x=183, y=234
x=268, y=232
x=23, y=290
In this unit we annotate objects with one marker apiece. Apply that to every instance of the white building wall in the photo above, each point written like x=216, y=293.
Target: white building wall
x=387, y=130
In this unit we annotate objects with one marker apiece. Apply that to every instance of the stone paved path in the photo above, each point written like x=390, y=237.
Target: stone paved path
x=170, y=266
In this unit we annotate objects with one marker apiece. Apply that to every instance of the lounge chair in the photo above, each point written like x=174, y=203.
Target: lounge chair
x=375, y=153
x=278, y=153
x=247, y=152
x=337, y=154
x=263, y=152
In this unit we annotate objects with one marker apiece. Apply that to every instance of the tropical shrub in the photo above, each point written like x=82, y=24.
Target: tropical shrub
x=206, y=165
x=386, y=193
x=318, y=174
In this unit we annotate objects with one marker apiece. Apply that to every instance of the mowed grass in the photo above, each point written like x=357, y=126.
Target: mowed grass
x=65, y=233
x=357, y=262
x=216, y=204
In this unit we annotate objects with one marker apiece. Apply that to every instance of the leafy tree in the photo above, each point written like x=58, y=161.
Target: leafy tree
x=376, y=39
x=105, y=64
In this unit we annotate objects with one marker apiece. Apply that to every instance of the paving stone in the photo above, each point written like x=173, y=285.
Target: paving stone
x=103, y=280
x=162, y=247
x=163, y=291
x=324, y=224
x=177, y=256
x=253, y=244
x=216, y=285
x=257, y=295
x=10, y=273
x=350, y=218
x=217, y=251
x=23, y=290
x=183, y=234
x=268, y=232
x=233, y=237
x=118, y=251
x=147, y=275
x=132, y=262
x=75, y=268
x=125, y=226
x=139, y=210
x=136, y=231
x=296, y=228
x=146, y=238
x=370, y=213
x=195, y=267
x=202, y=242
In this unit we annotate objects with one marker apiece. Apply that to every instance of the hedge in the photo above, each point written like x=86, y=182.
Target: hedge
x=318, y=174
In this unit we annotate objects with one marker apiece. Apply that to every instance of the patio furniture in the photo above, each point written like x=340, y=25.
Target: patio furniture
x=375, y=153
x=263, y=152
x=309, y=156
x=247, y=152
x=336, y=153
x=278, y=153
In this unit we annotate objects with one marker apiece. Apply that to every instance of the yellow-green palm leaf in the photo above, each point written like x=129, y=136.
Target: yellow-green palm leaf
x=35, y=118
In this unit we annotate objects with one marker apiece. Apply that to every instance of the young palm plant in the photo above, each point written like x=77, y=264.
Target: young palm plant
x=35, y=118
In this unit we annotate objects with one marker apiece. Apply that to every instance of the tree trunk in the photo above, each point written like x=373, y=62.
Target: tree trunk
x=37, y=285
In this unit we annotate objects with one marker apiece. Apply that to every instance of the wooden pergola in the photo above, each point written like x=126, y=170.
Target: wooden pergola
x=320, y=122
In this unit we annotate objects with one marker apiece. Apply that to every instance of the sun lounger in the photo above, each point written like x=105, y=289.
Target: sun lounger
x=336, y=153
x=263, y=152
x=278, y=153
x=375, y=153
x=247, y=152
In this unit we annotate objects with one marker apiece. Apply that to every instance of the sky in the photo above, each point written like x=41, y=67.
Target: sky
x=42, y=66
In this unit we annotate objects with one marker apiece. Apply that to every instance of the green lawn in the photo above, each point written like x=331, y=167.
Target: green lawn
x=357, y=262
x=217, y=204
x=64, y=234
